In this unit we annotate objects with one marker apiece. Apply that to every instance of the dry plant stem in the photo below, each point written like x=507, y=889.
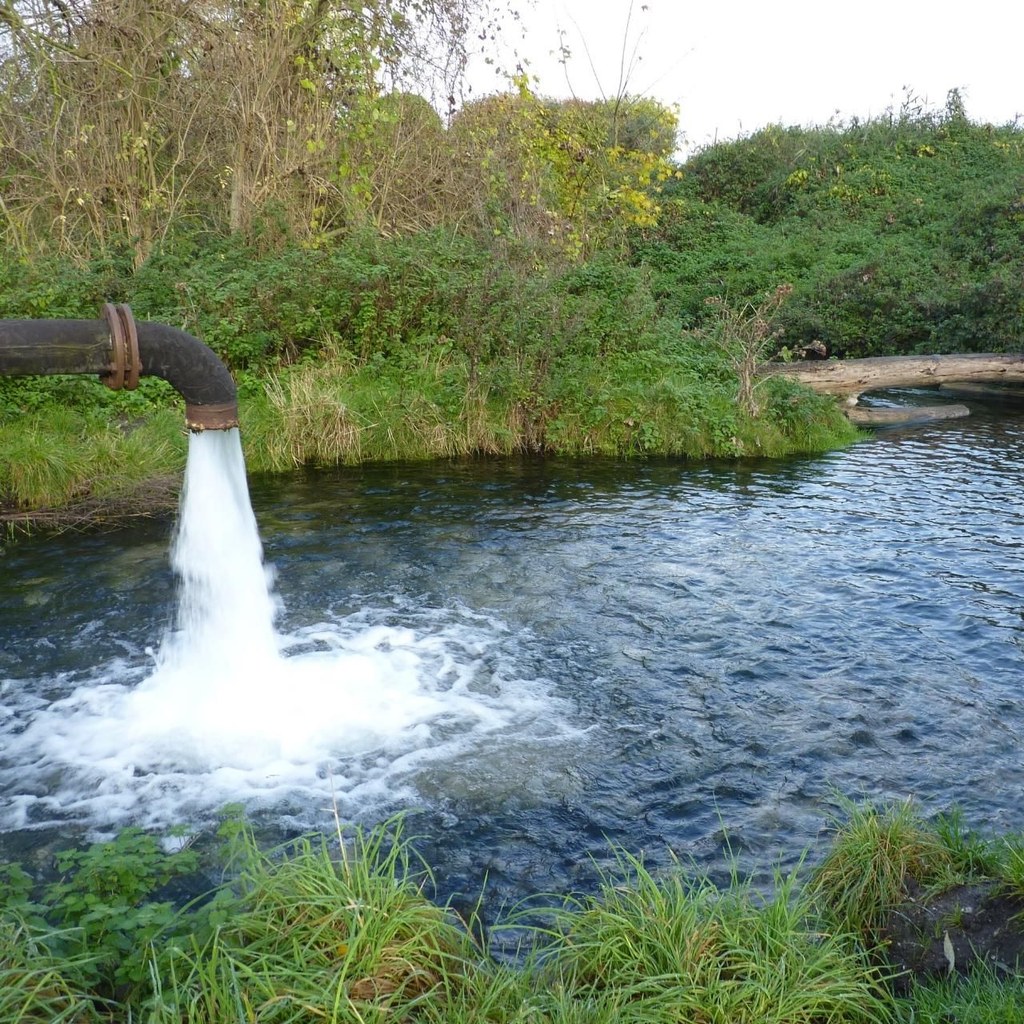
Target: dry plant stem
x=744, y=334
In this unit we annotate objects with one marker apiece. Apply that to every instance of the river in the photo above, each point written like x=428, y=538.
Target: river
x=542, y=658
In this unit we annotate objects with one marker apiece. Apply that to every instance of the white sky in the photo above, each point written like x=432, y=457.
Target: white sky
x=733, y=66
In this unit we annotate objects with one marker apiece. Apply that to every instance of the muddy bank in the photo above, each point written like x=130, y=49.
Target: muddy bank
x=155, y=497
x=970, y=925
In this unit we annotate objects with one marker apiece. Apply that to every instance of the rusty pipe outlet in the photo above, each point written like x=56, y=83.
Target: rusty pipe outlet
x=121, y=351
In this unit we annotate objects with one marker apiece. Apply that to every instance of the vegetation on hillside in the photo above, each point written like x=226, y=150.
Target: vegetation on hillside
x=518, y=275
x=903, y=234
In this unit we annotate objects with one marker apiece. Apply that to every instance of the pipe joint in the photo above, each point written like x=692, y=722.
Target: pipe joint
x=126, y=364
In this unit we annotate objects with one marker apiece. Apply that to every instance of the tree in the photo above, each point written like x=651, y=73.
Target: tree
x=571, y=175
x=123, y=120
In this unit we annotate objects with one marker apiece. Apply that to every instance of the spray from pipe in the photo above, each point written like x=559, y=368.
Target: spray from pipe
x=344, y=713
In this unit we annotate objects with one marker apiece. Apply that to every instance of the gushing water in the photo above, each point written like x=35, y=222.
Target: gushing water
x=226, y=611
x=338, y=712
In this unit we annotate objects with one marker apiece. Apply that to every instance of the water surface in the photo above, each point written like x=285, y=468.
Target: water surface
x=544, y=657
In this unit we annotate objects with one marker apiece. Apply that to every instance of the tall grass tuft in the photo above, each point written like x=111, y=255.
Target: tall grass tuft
x=877, y=855
x=128, y=458
x=342, y=934
x=317, y=427
x=679, y=949
x=42, y=460
x=36, y=987
x=338, y=413
x=63, y=457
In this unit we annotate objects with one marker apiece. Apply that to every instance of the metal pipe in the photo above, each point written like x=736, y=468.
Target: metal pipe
x=121, y=351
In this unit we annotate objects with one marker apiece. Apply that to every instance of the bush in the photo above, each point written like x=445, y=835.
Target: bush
x=869, y=222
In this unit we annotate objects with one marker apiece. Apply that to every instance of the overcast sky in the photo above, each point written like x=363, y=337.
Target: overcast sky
x=733, y=66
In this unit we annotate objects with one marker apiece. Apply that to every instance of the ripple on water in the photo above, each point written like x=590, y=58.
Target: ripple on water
x=543, y=658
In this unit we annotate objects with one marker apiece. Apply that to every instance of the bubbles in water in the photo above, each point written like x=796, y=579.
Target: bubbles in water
x=345, y=711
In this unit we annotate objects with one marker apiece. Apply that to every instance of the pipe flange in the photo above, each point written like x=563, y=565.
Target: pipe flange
x=214, y=416
x=126, y=365
x=114, y=377
x=133, y=370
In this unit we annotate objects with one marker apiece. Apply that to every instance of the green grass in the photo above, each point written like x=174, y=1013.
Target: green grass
x=37, y=987
x=875, y=856
x=343, y=929
x=983, y=997
x=678, y=948
x=672, y=398
x=63, y=458
x=321, y=932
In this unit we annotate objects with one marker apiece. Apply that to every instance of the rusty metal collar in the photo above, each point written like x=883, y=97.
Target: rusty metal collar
x=214, y=416
x=126, y=364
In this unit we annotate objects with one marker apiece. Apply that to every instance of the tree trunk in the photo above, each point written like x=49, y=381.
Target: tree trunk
x=849, y=378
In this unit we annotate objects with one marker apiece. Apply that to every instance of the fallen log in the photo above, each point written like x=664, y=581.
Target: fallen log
x=890, y=415
x=850, y=378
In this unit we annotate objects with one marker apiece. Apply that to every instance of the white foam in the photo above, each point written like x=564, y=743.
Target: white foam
x=341, y=711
